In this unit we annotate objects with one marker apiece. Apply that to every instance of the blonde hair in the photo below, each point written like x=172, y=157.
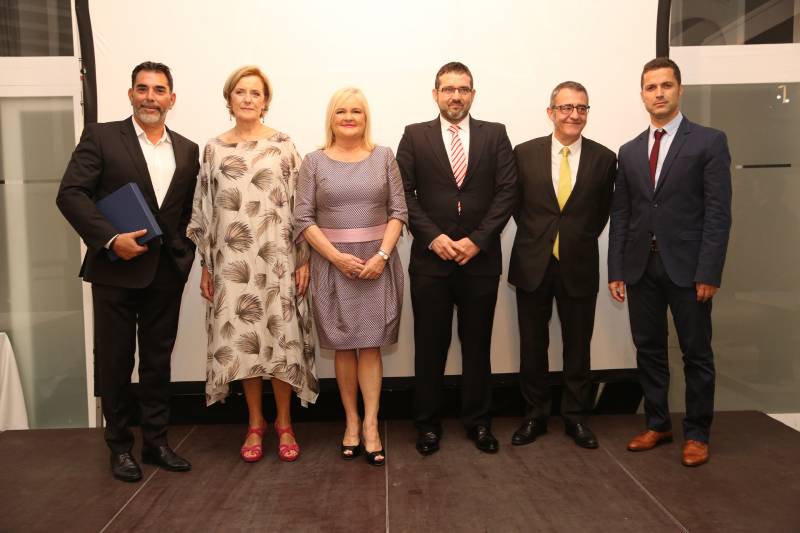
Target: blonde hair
x=338, y=97
x=242, y=72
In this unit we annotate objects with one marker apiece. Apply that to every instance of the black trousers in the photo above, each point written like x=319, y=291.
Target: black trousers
x=433, y=300
x=534, y=310
x=648, y=300
x=118, y=314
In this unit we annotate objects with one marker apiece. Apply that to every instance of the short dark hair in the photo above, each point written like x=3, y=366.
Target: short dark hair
x=453, y=66
x=152, y=66
x=574, y=85
x=661, y=62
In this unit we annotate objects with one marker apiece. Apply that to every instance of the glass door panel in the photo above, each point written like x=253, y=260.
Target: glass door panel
x=41, y=306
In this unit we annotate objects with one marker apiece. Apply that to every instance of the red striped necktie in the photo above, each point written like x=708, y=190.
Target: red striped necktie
x=458, y=160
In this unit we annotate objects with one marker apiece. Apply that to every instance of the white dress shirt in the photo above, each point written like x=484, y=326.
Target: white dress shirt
x=666, y=140
x=574, y=159
x=160, y=160
x=463, y=133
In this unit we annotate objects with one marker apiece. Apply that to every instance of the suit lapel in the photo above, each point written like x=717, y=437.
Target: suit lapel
x=131, y=142
x=545, y=170
x=674, y=148
x=586, y=162
x=435, y=141
x=641, y=163
x=476, y=142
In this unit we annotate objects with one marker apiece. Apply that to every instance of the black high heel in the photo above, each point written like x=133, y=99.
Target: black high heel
x=371, y=457
x=354, y=450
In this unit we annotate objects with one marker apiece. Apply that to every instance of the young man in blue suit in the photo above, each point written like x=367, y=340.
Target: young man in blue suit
x=670, y=221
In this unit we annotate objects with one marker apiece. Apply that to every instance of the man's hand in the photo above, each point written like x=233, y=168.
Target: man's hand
x=207, y=285
x=126, y=247
x=373, y=268
x=705, y=291
x=445, y=248
x=466, y=250
x=301, y=275
x=617, y=289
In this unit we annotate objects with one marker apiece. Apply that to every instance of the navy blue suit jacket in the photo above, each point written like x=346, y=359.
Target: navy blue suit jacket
x=689, y=212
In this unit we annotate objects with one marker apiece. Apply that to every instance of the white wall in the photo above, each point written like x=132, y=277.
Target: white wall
x=517, y=52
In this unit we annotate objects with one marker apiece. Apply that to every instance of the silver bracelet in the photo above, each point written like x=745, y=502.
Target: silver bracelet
x=383, y=254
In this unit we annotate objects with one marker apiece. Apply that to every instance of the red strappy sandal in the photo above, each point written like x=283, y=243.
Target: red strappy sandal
x=254, y=453
x=284, y=449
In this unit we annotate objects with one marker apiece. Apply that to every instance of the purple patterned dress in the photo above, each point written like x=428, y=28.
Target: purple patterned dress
x=347, y=197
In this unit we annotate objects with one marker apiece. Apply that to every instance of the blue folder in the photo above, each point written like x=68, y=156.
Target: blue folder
x=127, y=210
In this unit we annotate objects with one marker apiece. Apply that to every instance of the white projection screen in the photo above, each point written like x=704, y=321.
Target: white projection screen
x=517, y=51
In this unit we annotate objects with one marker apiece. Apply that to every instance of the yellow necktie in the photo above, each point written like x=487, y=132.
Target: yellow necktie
x=564, y=188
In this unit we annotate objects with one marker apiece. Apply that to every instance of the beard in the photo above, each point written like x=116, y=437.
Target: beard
x=455, y=115
x=146, y=117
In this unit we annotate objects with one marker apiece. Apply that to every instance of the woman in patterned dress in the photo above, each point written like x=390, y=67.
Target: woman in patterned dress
x=253, y=274
x=351, y=208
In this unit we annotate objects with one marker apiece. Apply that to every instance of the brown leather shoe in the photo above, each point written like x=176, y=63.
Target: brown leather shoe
x=649, y=440
x=695, y=453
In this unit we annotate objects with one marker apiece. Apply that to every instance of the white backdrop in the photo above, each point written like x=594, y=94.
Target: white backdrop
x=517, y=52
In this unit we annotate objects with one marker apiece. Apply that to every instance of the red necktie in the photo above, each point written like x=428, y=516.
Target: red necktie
x=654, y=155
x=458, y=160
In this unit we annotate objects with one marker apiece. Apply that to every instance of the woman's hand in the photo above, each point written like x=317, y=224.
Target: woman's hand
x=349, y=265
x=207, y=285
x=373, y=268
x=301, y=276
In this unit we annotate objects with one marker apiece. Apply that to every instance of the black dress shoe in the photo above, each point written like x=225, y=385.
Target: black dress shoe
x=164, y=457
x=582, y=435
x=529, y=431
x=427, y=442
x=483, y=439
x=124, y=467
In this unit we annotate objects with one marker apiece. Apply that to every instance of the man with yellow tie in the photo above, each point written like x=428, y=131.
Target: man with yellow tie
x=565, y=187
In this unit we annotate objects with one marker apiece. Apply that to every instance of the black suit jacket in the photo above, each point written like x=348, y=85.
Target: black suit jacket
x=107, y=157
x=486, y=196
x=689, y=212
x=539, y=218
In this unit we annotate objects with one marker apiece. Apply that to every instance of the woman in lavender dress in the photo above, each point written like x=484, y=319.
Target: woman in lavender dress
x=351, y=209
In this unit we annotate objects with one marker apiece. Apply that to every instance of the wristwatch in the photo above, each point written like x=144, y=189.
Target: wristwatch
x=383, y=254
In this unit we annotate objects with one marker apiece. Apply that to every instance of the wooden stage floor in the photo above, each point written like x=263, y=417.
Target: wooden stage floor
x=59, y=480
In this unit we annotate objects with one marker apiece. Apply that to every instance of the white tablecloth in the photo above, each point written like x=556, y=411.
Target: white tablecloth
x=12, y=402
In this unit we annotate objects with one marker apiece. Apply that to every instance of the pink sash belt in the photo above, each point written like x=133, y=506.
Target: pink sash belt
x=372, y=233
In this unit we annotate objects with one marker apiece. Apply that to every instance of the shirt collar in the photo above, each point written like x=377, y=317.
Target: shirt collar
x=464, y=124
x=574, y=148
x=165, y=138
x=671, y=127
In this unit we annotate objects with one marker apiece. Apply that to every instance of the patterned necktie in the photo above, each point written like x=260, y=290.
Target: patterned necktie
x=458, y=161
x=564, y=188
x=654, y=155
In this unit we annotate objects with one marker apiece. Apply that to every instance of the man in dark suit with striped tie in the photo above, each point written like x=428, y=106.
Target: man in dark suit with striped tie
x=460, y=182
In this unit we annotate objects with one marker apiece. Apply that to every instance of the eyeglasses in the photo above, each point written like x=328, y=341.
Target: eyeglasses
x=568, y=108
x=449, y=91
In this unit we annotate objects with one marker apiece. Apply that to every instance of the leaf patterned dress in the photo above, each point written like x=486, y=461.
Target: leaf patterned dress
x=242, y=224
